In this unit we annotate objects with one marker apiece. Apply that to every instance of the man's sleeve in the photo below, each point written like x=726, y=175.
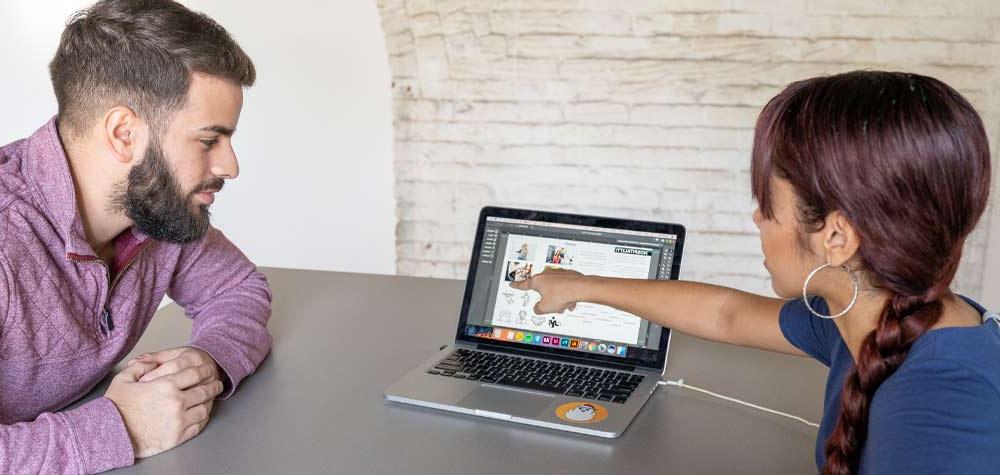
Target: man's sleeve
x=88, y=439
x=230, y=302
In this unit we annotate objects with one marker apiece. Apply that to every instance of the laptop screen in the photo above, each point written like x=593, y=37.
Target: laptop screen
x=513, y=247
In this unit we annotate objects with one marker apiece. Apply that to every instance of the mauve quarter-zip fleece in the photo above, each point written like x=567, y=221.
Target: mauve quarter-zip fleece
x=63, y=325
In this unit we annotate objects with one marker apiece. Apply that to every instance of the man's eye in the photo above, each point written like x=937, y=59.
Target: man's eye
x=209, y=143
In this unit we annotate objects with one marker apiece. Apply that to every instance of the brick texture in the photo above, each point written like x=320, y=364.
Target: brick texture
x=638, y=108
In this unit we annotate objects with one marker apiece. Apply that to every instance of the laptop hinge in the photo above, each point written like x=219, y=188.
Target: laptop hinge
x=603, y=364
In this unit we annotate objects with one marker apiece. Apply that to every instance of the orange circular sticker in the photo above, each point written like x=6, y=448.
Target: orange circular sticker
x=582, y=412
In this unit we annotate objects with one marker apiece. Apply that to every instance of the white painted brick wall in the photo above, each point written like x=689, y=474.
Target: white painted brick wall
x=638, y=108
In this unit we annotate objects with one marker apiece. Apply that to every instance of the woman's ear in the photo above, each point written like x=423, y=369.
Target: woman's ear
x=840, y=239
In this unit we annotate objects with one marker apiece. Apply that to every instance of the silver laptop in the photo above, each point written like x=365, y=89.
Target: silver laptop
x=589, y=370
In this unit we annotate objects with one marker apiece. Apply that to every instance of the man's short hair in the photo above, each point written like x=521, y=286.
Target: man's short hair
x=139, y=54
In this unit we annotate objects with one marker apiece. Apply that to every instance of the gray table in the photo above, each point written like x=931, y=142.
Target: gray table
x=315, y=405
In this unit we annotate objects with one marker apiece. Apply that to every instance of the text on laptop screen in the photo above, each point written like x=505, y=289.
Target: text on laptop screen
x=515, y=249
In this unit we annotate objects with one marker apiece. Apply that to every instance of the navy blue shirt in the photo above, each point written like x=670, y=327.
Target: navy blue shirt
x=938, y=413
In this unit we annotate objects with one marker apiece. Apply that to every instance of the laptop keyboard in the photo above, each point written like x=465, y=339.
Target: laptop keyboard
x=538, y=375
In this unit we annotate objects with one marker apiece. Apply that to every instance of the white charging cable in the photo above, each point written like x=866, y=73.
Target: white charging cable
x=680, y=383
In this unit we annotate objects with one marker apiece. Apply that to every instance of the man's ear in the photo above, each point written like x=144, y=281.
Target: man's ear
x=840, y=240
x=124, y=133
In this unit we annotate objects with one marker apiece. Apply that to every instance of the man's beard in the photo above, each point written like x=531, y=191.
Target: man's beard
x=153, y=199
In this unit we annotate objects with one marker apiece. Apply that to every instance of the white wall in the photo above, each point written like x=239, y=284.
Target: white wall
x=641, y=109
x=991, y=271
x=314, y=140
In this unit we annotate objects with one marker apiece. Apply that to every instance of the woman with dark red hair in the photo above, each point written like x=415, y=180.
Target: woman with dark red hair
x=868, y=184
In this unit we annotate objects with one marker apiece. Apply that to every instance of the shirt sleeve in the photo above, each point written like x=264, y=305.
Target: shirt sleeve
x=816, y=336
x=230, y=302
x=87, y=439
x=940, y=417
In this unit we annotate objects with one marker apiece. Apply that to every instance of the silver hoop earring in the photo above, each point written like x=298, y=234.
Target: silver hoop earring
x=854, y=299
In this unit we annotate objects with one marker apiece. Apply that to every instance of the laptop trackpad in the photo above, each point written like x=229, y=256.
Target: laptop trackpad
x=506, y=401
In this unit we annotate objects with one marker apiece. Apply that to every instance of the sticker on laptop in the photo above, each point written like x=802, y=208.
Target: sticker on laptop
x=582, y=412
